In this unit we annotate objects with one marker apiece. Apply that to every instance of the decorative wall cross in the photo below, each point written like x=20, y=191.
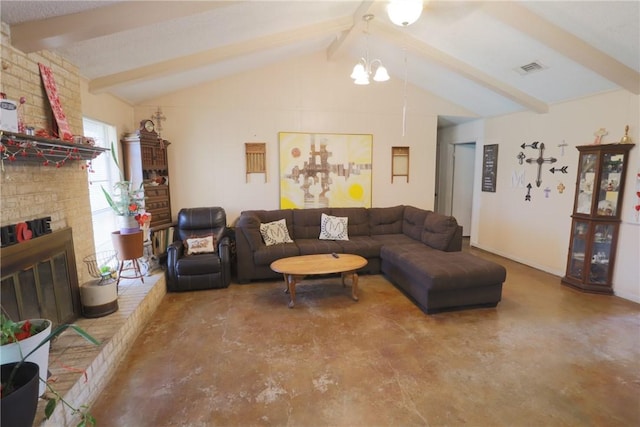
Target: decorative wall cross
x=564, y=144
x=158, y=118
x=540, y=161
x=560, y=188
x=599, y=134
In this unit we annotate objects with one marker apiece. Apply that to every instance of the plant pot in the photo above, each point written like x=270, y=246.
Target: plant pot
x=127, y=246
x=128, y=224
x=19, y=408
x=99, y=298
x=16, y=350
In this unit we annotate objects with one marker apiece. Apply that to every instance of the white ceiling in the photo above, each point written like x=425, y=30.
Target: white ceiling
x=465, y=52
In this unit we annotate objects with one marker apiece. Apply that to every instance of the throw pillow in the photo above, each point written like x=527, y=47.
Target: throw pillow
x=334, y=227
x=200, y=245
x=275, y=232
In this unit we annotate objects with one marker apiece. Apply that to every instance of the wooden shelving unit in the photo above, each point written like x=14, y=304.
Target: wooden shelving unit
x=596, y=217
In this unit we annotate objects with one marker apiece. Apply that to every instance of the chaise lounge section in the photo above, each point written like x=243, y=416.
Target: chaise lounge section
x=418, y=250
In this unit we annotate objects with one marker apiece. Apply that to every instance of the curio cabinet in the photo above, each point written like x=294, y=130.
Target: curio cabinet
x=596, y=217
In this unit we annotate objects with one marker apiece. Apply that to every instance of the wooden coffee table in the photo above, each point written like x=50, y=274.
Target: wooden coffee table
x=296, y=268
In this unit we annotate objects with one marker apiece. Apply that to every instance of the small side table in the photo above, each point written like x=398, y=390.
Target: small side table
x=128, y=247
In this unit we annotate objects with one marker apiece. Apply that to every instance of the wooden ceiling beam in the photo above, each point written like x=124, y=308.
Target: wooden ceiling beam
x=527, y=22
x=342, y=41
x=463, y=69
x=60, y=31
x=222, y=53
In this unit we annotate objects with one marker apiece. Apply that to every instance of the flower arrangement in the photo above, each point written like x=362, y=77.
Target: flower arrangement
x=124, y=200
x=11, y=332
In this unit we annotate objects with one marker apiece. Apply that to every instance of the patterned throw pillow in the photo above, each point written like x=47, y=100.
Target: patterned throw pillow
x=334, y=227
x=275, y=232
x=200, y=245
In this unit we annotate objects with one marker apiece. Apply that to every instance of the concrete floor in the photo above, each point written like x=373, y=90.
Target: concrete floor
x=546, y=356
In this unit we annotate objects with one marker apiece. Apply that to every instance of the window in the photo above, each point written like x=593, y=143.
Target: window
x=105, y=174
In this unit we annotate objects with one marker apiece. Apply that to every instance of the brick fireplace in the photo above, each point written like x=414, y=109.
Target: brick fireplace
x=29, y=191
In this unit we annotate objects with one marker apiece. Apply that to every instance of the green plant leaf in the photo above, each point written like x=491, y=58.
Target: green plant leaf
x=111, y=202
x=84, y=334
x=51, y=406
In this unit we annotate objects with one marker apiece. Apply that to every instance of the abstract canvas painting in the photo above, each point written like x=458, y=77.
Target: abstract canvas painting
x=325, y=170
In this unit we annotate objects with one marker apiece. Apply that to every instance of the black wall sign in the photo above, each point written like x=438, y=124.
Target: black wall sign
x=489, y=168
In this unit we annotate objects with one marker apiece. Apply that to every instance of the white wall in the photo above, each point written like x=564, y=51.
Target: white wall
x=208, y=126
x=537, y=233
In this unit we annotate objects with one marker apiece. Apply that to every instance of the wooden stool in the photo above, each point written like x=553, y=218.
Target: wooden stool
x=128, y=247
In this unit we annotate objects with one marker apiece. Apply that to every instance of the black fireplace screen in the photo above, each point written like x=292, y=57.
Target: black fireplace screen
x=39, y=279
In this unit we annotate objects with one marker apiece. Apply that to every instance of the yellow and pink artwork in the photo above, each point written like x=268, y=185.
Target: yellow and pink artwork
x=325, y=170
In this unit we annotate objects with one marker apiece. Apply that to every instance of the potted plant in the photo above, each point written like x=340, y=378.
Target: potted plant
x=125, y=200
x=18, y=339
x=19, y=389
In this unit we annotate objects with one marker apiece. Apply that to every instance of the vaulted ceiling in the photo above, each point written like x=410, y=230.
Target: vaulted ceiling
x=470, y=53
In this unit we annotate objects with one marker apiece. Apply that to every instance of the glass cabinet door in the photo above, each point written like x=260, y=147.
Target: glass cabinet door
x=577, y=252
x=608, y=194
x=586, y=182
x=600, y=253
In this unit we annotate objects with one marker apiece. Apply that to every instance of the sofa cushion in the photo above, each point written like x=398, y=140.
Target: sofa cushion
x=365, y=246
x=306, y=222
x=250, y=221
x=413, y=222
x=396, y=240
x=316, y=246
x=386, y=220
x=358, y=220
x=438, y=230
x=275, y=232
x=198, y=264
x=267, y=254
x=334, y=227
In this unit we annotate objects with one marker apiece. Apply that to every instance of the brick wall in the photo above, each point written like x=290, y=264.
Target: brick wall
x=29, y=191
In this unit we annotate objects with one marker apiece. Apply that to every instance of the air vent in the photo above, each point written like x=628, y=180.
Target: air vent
x=531, y=67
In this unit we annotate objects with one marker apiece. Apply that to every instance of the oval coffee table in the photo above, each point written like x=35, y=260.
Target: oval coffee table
x=296, y=268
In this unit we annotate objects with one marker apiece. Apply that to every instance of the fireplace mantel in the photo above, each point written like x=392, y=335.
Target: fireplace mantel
x=18, y=147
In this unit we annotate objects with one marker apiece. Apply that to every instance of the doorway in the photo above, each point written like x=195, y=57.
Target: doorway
x=462, y=184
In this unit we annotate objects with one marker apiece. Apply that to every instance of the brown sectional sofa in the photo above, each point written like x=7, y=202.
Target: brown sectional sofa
x=419, y=251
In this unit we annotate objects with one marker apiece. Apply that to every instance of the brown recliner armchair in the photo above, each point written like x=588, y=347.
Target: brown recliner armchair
x=199, y=270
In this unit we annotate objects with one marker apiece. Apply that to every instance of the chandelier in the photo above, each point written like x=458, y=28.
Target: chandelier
x=404, y=12
x=366, y=70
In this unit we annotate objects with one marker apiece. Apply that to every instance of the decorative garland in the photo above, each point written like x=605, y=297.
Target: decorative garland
x=14, y=147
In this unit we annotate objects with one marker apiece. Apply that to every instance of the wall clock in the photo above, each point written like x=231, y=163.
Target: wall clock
x=147, y=125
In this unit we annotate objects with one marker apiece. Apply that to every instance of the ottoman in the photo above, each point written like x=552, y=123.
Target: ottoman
x=440, y=281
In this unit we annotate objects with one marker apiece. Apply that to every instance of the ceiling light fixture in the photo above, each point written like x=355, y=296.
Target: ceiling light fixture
x=404, y=12
x=366, y=70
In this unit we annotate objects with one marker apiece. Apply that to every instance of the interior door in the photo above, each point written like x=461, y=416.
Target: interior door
x=462, y=185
